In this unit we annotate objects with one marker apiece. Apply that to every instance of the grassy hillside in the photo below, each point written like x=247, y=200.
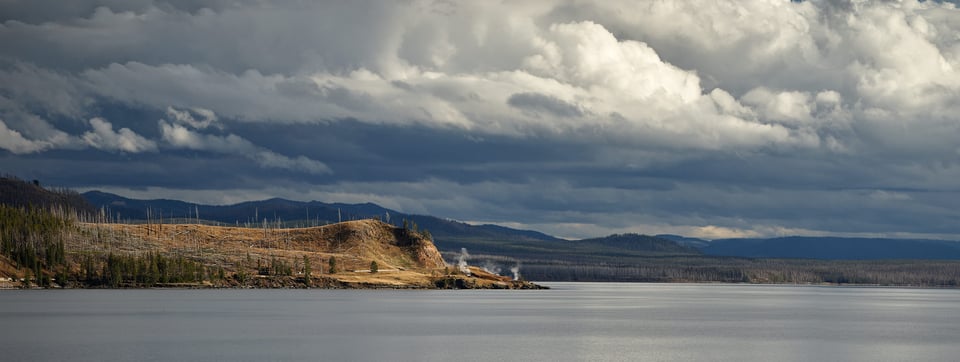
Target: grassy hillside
x=354, y=254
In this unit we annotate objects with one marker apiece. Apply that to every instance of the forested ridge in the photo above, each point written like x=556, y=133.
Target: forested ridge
x=17, y=192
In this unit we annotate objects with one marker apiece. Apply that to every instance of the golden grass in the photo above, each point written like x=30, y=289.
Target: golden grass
x=405, y=259
x=354, y=245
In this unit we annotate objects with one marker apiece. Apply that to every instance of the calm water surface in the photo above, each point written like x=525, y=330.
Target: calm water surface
x=572, y=322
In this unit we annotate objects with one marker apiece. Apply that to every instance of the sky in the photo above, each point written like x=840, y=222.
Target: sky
x=710, y=119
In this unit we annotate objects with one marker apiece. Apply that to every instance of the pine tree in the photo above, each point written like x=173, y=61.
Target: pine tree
x=26, y=280
x=62, y=277
x=306, y=271
x=241, y=274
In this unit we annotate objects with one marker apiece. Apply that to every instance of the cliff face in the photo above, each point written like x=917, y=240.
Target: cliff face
x=428, y=255
x=421, y=249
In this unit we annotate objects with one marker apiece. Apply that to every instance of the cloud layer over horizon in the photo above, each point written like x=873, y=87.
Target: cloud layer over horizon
x=576, y=118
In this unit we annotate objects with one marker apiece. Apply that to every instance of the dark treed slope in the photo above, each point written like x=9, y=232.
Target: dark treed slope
x=18, y=193
x=637, y=242
x=835, y=248
x=683, y=240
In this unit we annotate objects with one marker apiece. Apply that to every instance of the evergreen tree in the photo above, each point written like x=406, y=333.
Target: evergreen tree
x=62, y=277
x=306, y=271
x=333, y=265
x=241, y=274
x=374, y=267
x=26, y=280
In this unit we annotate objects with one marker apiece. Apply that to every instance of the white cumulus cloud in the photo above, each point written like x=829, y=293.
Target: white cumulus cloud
x=103, y=137
x=178, y=136
x=13, y=141
x=196, y=117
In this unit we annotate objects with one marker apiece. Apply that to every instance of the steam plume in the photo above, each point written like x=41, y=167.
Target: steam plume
x=491, y=268
x=516, y=271
x=462, y=261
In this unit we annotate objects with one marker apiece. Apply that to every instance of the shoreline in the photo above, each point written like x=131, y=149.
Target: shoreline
x=525, y=285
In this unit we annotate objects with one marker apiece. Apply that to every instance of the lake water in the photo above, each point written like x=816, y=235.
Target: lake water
x=572, y=322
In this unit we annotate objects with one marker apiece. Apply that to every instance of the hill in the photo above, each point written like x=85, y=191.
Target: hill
x=19, y=193
x=836, y=248
x=130, y=255
x=50, y=247
x=495, y=247
x=622, y=257
x=683, y=240
x=635, y=242
x=298, y=213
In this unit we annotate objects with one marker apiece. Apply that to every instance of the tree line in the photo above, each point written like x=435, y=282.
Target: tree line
x=32, y=238
x=930, y=273
x=146, y=270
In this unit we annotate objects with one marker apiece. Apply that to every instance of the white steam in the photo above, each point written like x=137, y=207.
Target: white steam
x=516, y=271
x=491, y=268
x=462, y=261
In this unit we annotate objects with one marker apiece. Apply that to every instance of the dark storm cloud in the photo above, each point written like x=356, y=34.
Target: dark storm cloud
x=577, y=118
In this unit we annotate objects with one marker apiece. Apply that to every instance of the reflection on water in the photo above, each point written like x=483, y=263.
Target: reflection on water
x=573, y=321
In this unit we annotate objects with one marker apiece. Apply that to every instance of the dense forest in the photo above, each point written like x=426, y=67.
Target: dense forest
x=33, y=239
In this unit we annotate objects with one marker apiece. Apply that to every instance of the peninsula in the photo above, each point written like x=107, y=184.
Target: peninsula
x=50, y=249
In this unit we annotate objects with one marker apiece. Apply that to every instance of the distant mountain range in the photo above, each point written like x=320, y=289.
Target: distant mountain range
x=490, y=241
x=485, y=240
x=451, y=235
x=538, y=256
x=835, y=248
